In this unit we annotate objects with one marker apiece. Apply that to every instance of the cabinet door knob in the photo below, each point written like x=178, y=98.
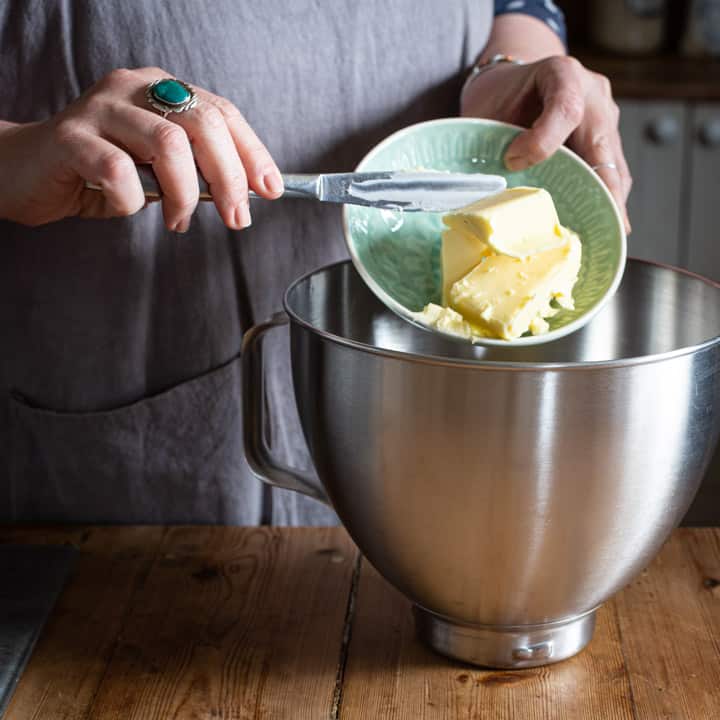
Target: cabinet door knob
x=664, y=130
x=709, y=132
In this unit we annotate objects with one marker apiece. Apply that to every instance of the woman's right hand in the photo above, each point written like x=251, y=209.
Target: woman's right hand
x=101, y=135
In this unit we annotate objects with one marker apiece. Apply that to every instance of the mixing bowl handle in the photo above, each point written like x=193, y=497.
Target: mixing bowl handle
x=258, y=455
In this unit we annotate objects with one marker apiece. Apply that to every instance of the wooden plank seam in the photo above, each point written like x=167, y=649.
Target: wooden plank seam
x=346, y=639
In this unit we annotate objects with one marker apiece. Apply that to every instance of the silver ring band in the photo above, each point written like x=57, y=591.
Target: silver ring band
x=610, y=165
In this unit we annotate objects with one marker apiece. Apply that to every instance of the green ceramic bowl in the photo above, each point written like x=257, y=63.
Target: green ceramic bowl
x=398, y=254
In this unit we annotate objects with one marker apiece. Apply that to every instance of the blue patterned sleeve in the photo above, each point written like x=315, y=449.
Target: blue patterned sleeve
x=545, y=10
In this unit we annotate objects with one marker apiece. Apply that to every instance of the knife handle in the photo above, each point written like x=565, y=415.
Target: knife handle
x=296, y=186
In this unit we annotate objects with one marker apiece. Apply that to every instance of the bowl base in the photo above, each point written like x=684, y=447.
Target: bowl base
x=505, y=646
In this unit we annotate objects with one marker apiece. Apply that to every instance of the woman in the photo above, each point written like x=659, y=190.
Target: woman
x=120, y=398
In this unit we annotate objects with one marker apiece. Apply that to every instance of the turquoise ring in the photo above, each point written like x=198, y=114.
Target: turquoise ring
x=170, y=95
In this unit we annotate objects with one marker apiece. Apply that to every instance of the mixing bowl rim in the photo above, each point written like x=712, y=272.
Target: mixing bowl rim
x=406, y=314
x=497, y=364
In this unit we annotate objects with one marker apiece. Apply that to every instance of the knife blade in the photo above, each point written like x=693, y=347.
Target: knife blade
x=425, y=191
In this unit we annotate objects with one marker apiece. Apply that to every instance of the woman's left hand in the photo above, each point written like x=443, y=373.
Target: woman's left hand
x=559, y=100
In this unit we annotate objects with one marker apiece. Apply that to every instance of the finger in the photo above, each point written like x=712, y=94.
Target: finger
x=621, y=162
x=559, y=83
x=597, y=142
x=262, y=172
x=101, y=163
x=219, y=162
x=611, y=178
x=625, y=178
x=605, y=110
x=151, y=138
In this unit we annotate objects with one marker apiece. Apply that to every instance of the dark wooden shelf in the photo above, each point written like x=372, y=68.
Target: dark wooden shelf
x=668, y=77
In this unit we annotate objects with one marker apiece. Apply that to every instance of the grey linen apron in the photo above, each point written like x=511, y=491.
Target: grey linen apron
x=119, y=384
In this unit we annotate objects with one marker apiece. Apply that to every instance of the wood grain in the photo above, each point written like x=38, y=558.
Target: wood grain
x=251, y=623
x=670, y=622
x=233, y=623
x=390, y=674
x=71, y=657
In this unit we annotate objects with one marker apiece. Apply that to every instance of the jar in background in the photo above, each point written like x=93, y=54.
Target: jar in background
x=628, y=26
x=702, y=33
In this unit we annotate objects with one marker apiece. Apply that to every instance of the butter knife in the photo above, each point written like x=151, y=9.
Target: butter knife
x=394, y=190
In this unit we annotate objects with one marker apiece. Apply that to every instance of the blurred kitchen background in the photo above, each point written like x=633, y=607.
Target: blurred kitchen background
x=663, y=60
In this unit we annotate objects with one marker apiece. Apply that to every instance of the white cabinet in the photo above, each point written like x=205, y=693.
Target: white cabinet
x=673, y=149
x=653, y=136
x=703, y=246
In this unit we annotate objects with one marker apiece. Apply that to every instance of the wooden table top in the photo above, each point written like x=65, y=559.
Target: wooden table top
x=209, y=622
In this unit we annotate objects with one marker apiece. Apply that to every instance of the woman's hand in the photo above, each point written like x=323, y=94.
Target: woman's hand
x=100, y=136
x=559, y=100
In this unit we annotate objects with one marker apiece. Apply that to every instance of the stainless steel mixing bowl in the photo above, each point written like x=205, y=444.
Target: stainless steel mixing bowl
x=506, y=492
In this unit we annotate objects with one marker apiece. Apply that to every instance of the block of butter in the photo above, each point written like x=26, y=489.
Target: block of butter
x=505, y=297
x=460, y=253
x=505, y=259
x=518, y=222
x=447, y=320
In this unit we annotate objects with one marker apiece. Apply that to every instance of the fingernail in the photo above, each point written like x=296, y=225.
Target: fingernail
x=273, y=182
x=242, y=216
x=626, y=221
x=516, y=162
x=182, y=226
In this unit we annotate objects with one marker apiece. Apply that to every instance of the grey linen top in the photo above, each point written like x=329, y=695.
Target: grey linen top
x=119, y=392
